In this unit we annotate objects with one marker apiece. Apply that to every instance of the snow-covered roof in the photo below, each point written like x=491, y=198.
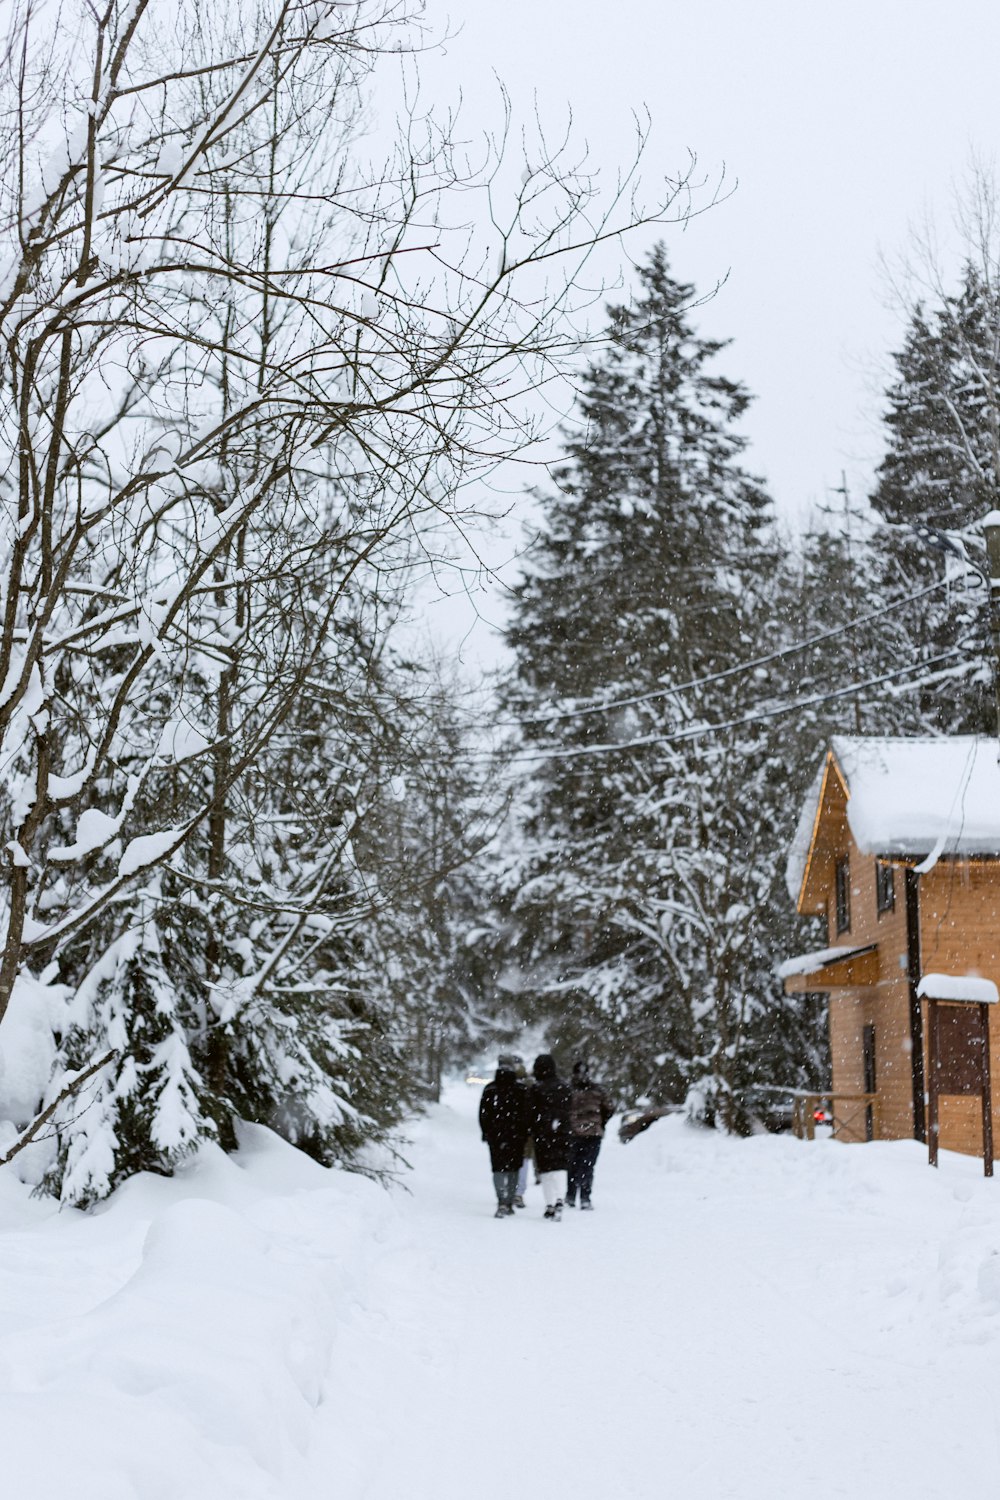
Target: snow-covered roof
x=958, y=987
x=911, y=797
x=807, y=963
x=798, y=852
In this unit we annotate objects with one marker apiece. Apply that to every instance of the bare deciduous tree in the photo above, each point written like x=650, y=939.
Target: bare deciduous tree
x=243, y=375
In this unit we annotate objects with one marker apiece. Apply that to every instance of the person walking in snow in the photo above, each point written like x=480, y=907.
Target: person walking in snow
x=517, y=1063
x=550, y=1130
x=504, y=1119
x=590, y=1111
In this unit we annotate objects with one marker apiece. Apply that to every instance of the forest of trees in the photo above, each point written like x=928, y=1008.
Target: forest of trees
x=681, y=662
x=259, y=862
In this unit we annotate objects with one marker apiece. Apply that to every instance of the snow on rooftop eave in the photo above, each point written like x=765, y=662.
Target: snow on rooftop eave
x=800, y=853
x=822, y=958
x=972, y=988
x=914, y=796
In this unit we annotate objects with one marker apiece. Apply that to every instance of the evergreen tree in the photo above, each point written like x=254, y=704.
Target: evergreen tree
x=939, y=477
x=428, y=843
x=234, y=986
x=651, y=844
x=834, y=583
x=145, y=1114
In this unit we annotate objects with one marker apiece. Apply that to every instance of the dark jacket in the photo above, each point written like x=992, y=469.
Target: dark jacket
x=590, y=1109
x=505, y=1119
x=550, y=1123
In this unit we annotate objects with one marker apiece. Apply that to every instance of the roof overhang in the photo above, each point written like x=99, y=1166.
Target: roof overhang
x=830, y=969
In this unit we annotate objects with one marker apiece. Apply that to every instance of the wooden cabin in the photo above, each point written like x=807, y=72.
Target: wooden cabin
x=898, y=850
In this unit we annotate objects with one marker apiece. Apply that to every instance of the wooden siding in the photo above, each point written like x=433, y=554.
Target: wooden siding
x=959, y=907
x=827, y=843
x=960, y=934
x=885, y=1005
x=847, y=1020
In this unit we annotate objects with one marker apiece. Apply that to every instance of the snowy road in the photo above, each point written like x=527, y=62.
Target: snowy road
x=737, y=1320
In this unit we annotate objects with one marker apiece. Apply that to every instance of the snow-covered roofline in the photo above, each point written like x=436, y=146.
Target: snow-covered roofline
x=808, y=963
x=798, y=851
x=912, y=797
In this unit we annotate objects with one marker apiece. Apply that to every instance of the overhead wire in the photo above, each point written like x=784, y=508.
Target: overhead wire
x=797, y=648
x=696, y=731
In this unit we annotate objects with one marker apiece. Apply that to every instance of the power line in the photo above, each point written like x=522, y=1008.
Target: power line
x=748, y=666
x=699, y=730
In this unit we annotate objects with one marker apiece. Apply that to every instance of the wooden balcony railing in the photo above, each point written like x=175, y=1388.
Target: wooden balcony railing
x=853, y=1117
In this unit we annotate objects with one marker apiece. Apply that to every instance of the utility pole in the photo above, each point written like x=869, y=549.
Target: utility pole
x=991, y=528
x=843, y=490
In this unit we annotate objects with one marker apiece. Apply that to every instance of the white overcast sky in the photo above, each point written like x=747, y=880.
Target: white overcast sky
x=839, y=125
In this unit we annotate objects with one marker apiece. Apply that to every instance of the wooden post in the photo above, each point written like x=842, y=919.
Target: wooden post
x=912, y=893
x=991, y=529
x=934, y=1127
x=984, y=1026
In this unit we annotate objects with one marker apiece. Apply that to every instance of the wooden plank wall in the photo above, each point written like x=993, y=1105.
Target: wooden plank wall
x=960, y=934
x=885, y=1005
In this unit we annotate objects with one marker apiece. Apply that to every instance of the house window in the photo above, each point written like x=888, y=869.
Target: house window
x=843, y=895
x=885, y=895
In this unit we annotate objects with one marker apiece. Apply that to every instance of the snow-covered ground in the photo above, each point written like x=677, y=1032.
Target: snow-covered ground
x=740, y=1319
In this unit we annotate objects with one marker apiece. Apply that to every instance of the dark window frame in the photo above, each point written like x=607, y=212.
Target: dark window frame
x=885, y=887
x=842, y=894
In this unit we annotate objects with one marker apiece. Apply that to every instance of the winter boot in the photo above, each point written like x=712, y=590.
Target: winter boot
x=501, y=1212
x=586, y=1203
x=557, y=1211
x=550, y=1212
x=519, y=1201
x=570, y=1201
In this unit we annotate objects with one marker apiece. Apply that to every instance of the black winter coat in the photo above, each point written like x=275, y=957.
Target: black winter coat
x=550, y=1124
x=504, y=1119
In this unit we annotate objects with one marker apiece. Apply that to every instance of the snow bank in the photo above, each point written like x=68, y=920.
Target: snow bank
x=261, y=1329
x=27, y=1057
x=174, y=1346
x=737, y=1320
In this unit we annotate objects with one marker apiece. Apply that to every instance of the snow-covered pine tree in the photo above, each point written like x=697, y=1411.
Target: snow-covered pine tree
x=323, y=976
x=939, y=477
x=652, y=849
x=427, y=846
x=145, y=1113
x=249, y=946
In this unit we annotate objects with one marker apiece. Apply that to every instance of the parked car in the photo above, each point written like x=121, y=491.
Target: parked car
x=772, y=1105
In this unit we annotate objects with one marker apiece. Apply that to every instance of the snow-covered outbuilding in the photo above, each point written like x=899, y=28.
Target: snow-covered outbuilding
x=898, y=849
